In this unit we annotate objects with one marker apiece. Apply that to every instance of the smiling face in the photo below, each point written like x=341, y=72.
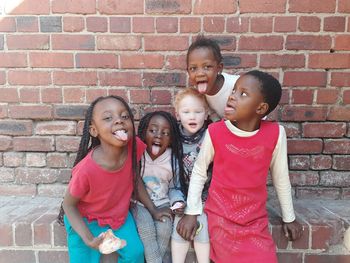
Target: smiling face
x=111, y=123
x=203, y=69
x=192, y=113
x=246, y=102
x=158, y=136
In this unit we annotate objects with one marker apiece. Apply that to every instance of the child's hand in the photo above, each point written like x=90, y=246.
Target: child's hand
x=292, y=230
x=95, y=241
x=160, y=213
x=187, y=227
x=178, y=208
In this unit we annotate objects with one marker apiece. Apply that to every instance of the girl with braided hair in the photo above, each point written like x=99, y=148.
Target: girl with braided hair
x=103, y=180
x=161, y=167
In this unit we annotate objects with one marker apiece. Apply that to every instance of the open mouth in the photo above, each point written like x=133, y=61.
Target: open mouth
x=155, y=148
x=121, y=135
x=202, y=86
x=192, y=125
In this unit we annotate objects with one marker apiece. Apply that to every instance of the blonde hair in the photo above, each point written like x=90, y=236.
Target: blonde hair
x=190, y=92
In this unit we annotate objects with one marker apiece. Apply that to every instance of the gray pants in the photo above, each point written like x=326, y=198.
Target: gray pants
x=155, y=235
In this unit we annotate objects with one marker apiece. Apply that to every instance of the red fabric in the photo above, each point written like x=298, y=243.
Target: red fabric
x=104, y=195
x=236, y=205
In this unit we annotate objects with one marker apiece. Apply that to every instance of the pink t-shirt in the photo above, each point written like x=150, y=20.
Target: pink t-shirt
x=104, y=195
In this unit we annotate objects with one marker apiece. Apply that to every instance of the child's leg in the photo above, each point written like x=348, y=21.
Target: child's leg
x=179, y=246
x=133, y=251
x=201, y=241
x=147, y=231
x=77, y=250
x=164, y=230
x=202, y=252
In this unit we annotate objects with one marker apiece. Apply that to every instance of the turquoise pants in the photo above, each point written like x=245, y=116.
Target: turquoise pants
x=80, y=253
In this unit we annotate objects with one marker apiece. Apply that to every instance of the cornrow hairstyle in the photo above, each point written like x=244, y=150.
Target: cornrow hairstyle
x=270, y=88
x=88, y=142
x=175, y=144
x=204, y=42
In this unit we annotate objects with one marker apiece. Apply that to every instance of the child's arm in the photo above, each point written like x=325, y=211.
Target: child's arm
x=77, y=223
x=175, y=193
x=280, y=179
x=157, y=213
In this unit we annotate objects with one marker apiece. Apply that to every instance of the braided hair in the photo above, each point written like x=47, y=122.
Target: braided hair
x=88, y=142
x=175, y=144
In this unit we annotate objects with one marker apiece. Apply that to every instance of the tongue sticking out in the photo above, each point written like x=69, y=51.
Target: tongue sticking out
x=202, y=87
x=121, y=135
x=155, y=149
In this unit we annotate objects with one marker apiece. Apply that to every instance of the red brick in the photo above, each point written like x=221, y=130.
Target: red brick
x=315, y=6
x=73, y=42
x=305, y=78
x=346, y=98
x=118, y=42
x=7, y=175
x=16, y=42
x=15, y=256
x=262, y=6
x=120, y=79
x=341, y=162
x=96, y=24
x=36, y=175
x=92, y=94
x=290, y=257
x=57, y=160
x=299, y=162
x=59, y=235
x=337, y=146
x=29, y=95
x=87, y=78
x=339, y=113
x=42, y=229
x=34, y=144
x=167, y=25
x=94, y=60
x=67, y=143
x=333, y=178
x=13, y=159
x=261, y=24
x=327, y=96
x=18, y=190
x=317, y=193
x=302, y=96
x=239, y=60
x=70, y=112
x=168, y=7
x=285, y=24
x=161, y=97
x=53, y=256
x=214, y=7
x=120, y=24
x=164, y=79
x=51, y=60
x=29, y=78
x=8, y=24
x=143, y=25
x=5, y=143
x=35, y=160
x=56, y=128
x=9, y=95
x=260, y=43
x=74, y=7
x=176, y=62
x=334, y=24
x=30, y=111
x=304, y=146
x=120, y=7
x=237, y=24
x=27, y=24
x=308, y=42
x=3, y=109
x=190, y=24
x=343, y=6
x=2, y=78
x=142, y=61
x=303, y=113
x=304, y=178
x=51, y=95
x=324, y=258
x=324, y=130
x=140, y=96
x=214, y=24
x=334, y=61
x=73, y=24
x=342, y=42
x=23, y=234
x=41, y=7
x=76, y=95
x=225, y=42
x=340, y=79
x=309, y=24
x=165, y=43
x=282, y=61
x=321, y=162
x=119, y=92
x=346, y=193
x=13, y=60
x=6, y=236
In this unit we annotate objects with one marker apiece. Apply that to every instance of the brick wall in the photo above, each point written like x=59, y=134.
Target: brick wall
x=57, y=56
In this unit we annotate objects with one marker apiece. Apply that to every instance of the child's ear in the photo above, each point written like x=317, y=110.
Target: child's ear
x=177, y=116
x=221, y=67
x=92, y=130
x=262, y=108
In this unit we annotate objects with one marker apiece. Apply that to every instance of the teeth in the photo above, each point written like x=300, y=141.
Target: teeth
x=121, y=135
x=155, y=149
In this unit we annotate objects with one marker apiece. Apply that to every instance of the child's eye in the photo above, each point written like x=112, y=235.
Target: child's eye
x=192, y=69
x=108, y=118
x=207, y=67
x=244, y=94
x=125, y=117
x=166, y=133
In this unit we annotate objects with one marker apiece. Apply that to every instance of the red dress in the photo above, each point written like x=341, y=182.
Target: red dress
x=236, y=205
